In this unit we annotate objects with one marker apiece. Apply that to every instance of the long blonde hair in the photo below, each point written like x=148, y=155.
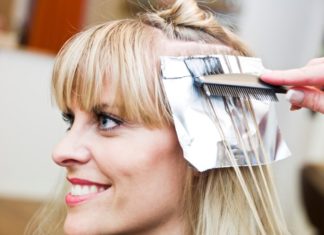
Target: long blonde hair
x=220, y=201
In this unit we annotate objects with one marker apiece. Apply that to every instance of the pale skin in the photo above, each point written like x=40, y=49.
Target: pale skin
x=307, y=83
x=144, y=168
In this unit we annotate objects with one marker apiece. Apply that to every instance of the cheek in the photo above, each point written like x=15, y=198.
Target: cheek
x=147, y=169
x=139, y=152
x=146, y=164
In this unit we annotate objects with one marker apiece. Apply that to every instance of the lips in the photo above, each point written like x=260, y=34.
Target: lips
x=83, y=190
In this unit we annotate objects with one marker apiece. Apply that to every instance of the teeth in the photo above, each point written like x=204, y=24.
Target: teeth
x=79, y=190
x=93, y=189
x=85, y=190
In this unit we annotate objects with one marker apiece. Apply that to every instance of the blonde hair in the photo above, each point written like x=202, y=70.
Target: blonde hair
x=125, y=53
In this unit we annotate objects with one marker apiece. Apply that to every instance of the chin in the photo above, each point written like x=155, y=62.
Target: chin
x=87, y=224
x=75, y=226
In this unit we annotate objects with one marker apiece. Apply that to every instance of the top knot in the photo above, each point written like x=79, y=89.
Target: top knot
x=185, y=20
x=179, y=18
x=185, y=13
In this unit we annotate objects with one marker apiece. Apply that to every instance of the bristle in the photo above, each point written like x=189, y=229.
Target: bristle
x=204, y=66
x=242, y=92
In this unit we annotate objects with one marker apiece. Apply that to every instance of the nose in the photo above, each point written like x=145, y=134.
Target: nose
x=71, y=150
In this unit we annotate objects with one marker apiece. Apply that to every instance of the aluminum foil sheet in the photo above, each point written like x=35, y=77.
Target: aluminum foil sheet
x=208, y=126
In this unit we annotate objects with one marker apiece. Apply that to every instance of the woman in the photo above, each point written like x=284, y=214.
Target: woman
x=121, y=153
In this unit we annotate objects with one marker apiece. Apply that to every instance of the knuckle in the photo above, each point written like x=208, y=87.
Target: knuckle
x=316, y=101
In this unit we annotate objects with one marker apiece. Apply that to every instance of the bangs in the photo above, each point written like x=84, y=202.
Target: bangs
x=124, y=55
x=118, y=53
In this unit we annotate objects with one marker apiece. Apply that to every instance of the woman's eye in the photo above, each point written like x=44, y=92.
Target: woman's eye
x=68, y=119
x=106, y=122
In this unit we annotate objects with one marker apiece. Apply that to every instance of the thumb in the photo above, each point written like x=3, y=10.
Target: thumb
x=307, y=97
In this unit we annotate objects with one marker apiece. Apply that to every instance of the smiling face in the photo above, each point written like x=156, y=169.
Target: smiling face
x=121, y=151
x=126, y=178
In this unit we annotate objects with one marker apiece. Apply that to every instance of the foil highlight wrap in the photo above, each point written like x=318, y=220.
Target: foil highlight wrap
x=206, y=125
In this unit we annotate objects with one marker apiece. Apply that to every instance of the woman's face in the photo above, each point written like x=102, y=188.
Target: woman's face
x=125, y=178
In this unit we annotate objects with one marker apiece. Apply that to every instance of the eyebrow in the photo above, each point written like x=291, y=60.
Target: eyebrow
x=105, y=107
x=102, y=106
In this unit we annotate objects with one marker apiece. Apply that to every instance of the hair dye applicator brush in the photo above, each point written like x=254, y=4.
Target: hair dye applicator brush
x=231, y=76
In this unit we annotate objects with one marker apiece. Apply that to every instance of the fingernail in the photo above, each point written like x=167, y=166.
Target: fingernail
x=295, y=96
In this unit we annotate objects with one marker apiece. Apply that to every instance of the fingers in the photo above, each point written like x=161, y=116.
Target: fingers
x=305, y=81
x=310, y=75
x=316, y=61
x=306, y=97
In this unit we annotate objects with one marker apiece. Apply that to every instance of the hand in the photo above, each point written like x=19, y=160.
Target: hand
x=306, y=83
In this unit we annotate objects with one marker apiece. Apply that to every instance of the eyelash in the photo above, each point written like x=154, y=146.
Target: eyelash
x=100, y=116
x=68, y=119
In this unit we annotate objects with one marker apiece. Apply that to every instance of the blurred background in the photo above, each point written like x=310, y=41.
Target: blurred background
x=285, y=34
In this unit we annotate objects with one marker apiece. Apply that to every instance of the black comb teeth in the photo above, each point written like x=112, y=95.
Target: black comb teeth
x=241, y=92
x=208, y=73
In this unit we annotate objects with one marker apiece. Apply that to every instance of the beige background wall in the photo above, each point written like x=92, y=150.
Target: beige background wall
x=29, y=125
x=102, y=10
